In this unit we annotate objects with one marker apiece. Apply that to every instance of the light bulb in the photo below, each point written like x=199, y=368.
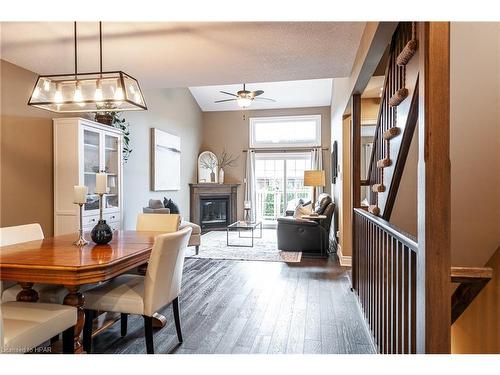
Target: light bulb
x=98, y=91
x=46, y=84
x=77, y=97
x=58, y=98
x=243, y=102
x=119, y=93
x=36, y=93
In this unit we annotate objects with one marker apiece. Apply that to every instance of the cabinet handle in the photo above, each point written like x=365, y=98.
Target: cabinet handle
x=92, y=220
x=112, y=217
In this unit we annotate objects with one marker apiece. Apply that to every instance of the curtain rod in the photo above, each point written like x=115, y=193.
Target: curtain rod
x=285, y=150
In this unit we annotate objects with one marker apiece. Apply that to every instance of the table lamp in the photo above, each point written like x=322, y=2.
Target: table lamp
x=314, y=178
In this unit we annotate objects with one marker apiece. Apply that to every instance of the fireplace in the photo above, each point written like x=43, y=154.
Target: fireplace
x=214, y=212
x=213, y=206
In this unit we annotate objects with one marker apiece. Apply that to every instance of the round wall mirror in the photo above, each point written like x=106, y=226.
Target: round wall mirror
x=207, y=167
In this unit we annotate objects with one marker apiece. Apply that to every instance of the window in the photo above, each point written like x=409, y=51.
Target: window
x=280, y=183
x=285, y=131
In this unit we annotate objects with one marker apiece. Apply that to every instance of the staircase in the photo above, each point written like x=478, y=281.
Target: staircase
x=401, y=282
x=396, y=121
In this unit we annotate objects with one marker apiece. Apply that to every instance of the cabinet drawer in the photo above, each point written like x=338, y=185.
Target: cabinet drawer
x=90, y=221
x=111, y=217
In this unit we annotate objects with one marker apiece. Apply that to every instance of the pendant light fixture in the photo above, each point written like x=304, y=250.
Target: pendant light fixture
x=111, y=91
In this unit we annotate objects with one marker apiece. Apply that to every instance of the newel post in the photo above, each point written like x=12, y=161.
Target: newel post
x=433, y=308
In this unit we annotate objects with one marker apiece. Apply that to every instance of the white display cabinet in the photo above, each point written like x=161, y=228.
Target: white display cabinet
x=83, y=148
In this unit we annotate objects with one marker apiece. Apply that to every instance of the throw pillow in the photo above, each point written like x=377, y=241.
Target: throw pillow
x=302, y=209
x=155, y=203
x=168, y=203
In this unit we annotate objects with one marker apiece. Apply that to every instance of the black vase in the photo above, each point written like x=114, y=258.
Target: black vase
x=101, y=233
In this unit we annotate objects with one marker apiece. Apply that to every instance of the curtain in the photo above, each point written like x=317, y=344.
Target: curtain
x=317, y=164
x=250, y=183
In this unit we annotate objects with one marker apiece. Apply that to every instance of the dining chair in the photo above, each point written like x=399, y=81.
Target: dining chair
x=143, y=295
x=24, y=233
x=26, y=325
x=165, y=223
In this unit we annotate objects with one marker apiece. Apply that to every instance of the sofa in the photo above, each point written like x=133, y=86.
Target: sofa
x=157, y=207
x=309, y=236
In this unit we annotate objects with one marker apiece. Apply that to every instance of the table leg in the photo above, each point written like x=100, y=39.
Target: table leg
x=75, y=298
x=27, y=294
x=159, y=321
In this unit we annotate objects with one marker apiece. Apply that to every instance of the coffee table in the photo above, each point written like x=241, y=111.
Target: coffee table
x=243, y=226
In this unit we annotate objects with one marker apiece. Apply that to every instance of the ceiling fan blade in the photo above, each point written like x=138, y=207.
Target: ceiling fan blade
x=225, y=100
x=257, y=92
x=228, y=93
x=266, y=99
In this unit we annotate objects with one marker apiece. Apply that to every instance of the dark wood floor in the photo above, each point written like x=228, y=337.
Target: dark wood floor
x=255, y=307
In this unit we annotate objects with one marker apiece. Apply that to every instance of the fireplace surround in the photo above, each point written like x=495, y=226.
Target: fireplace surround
x=213, y=206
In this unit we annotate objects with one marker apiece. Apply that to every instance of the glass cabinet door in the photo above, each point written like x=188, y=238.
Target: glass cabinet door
x=92, y=162
x=112, y=162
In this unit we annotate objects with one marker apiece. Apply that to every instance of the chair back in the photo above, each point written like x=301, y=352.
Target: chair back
x=166, y=223
x=20, y=233
x=162, y=283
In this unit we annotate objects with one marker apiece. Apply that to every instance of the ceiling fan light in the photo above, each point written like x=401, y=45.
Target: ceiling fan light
x=244, y=102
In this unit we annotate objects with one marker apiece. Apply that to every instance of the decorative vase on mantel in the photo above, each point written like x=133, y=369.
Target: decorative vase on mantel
x=221, y=176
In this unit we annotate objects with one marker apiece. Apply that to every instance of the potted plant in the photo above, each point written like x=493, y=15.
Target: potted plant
x=114, y=119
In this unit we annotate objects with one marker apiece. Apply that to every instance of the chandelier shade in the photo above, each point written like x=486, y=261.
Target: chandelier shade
x=110, y=91
x=88, y=92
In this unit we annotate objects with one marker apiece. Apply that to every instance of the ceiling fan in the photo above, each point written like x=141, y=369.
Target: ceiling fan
x=244, y=97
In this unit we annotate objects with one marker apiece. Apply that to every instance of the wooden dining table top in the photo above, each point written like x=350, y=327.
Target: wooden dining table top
x=55, y=260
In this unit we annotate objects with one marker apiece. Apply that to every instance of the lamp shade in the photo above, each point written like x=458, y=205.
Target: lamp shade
x=88, y=92
x=314, y=178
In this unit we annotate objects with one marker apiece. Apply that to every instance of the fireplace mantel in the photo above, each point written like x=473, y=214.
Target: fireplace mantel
x=204, y=190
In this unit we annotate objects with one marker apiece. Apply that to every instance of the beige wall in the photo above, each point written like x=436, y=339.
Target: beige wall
x=475, y=175
x=341, y=92
x=26, y=166
x=174, y=111
x=230, y=130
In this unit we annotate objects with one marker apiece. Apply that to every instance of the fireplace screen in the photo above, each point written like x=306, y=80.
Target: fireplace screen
x=214, y=212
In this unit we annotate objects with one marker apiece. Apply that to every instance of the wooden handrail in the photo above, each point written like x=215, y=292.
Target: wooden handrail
x=406, y=238
x=472, y=281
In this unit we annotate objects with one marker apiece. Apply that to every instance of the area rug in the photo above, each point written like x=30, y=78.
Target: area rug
x=214, y=246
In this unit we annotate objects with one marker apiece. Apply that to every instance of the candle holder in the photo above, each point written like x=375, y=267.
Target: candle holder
x=102, y=232
x=81, y=241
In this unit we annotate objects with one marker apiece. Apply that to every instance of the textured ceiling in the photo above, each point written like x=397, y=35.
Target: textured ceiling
x=288, y=94
x=189, y=54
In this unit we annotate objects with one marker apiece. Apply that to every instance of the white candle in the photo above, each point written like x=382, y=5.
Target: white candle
x=80, y=194
x=101, y=183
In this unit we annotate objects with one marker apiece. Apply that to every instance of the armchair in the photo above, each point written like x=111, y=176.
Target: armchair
x=308, y=236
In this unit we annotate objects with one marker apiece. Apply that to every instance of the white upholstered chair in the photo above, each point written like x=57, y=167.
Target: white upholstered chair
x=26, y=325
x=143, y=295
x=24, y=233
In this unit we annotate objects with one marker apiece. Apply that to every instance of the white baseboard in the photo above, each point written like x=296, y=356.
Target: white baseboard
x=345, y=261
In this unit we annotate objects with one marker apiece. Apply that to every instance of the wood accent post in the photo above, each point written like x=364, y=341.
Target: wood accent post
x=356, y=173
x=433, y=310
x=356, y=150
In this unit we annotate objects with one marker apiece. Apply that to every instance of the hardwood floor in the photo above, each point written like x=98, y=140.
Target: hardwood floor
x=255, y=307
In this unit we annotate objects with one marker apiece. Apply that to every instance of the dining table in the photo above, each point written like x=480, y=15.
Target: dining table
x=56, y=260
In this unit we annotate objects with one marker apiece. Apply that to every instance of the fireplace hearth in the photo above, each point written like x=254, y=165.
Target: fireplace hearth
x=213, y=206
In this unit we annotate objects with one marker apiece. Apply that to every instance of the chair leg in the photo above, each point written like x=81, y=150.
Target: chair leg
x=177, y=318
x=197, y=249
x=69, y=340
x=87, y=330
x=148, y=333
x=124, y=318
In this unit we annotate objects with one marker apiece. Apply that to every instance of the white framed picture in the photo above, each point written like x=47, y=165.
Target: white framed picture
x=165, y=161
